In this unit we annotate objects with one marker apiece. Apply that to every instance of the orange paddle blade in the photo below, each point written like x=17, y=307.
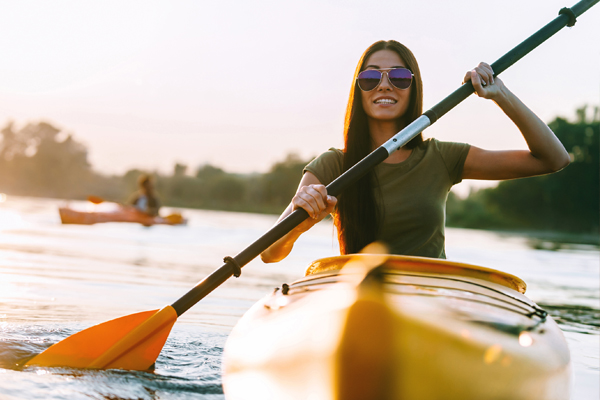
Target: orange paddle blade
x=95, y=199
x=131, y=342
x=174, y=219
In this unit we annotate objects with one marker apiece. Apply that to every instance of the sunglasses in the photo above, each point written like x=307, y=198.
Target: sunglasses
x=369, y=79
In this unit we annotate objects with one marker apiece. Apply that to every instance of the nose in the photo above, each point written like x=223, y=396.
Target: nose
x=385, y=83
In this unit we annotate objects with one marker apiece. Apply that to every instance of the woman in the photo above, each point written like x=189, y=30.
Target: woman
x=145, y=199
x=401, y=203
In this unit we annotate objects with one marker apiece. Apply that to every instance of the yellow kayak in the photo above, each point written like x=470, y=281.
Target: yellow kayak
x=394, y=327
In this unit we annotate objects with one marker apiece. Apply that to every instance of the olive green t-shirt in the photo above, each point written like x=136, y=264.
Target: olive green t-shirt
x=411, y=194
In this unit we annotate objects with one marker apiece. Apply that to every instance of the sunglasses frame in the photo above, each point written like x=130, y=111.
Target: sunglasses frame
x=385, y=71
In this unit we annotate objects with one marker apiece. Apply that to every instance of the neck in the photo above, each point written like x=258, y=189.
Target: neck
x=381, y=132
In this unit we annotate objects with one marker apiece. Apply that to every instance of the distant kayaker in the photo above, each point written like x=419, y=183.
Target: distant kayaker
x=145, y=199
x=401, y=203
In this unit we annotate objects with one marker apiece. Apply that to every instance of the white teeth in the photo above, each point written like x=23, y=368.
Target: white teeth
x=385, y=101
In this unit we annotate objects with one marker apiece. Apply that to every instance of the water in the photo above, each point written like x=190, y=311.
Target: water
x=57, y=279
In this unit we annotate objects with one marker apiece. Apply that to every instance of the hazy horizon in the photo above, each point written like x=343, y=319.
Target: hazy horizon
x=240, y=85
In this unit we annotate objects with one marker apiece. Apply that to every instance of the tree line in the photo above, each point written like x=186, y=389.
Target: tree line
x=40, y=160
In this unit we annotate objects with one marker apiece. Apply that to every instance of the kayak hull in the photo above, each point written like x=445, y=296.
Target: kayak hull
x=121, y=214
x=400, y=330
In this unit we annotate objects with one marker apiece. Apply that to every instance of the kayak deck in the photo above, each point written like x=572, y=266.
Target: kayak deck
x=397, y=327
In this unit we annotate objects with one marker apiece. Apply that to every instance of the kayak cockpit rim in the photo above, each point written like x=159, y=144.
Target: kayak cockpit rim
x=418, y=264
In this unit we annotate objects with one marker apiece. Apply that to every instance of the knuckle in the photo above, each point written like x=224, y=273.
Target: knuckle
x=303, y=198
x=297, y=201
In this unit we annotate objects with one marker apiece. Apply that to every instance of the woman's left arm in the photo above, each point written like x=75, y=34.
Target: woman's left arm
x=546, y=153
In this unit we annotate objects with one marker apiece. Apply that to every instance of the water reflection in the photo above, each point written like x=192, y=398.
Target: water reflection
x=576, y=318
x=188, y=367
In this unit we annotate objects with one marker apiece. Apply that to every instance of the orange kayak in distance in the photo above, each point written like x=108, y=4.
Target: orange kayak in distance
x=121, y=214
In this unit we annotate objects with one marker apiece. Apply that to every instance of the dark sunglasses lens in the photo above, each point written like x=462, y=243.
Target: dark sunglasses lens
x=401, y=78
x=369, y=79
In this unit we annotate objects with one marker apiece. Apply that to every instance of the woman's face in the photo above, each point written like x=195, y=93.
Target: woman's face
x=385, y=102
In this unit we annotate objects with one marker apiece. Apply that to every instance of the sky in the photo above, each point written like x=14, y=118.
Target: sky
x=240, y=84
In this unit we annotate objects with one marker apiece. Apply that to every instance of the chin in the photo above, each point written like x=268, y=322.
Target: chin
x=386, y=116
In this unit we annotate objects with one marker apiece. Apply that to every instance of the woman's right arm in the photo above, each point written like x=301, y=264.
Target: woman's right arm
x=311, y=196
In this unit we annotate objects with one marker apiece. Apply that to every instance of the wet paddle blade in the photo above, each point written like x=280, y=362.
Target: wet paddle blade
x=131, y=342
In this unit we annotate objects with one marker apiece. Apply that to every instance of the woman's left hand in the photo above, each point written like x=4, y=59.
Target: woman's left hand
x=546, y=153
x=484, y=83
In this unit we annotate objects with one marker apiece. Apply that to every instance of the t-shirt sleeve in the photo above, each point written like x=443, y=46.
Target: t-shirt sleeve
x=327, y=166
x=454, y=156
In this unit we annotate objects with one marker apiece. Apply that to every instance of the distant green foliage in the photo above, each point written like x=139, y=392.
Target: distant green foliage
x=38, y=160
x=213, y=188
x=279, y=185
x=567, y=201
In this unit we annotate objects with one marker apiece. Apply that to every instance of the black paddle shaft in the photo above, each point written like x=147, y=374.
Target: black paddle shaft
x=233, y=265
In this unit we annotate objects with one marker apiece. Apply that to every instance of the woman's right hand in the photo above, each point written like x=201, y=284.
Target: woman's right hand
x=310, y=196
x=314, y=199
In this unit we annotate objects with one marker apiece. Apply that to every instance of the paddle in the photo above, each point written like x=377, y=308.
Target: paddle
x=95, y=199
x=134, y=341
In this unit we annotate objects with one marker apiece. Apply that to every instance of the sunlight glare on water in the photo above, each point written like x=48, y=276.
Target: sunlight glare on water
x=56, y=280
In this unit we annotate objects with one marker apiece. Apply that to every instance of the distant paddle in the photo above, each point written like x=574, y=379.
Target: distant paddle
x=95, y=199
x=174, y=219
x=135, y=341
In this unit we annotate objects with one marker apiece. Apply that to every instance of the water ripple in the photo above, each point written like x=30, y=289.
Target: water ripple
x=576, y=318
x=189, y=367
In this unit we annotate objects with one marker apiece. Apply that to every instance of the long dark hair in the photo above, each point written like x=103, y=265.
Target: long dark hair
x=358, y=216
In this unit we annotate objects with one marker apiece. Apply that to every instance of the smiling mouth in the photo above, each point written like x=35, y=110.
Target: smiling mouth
x=385, y=101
